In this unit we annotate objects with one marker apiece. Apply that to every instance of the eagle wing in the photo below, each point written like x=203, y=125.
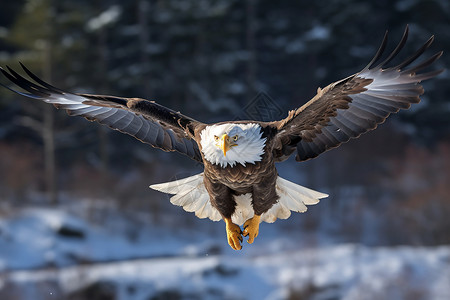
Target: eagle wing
x=347, y=108
x=146, y=120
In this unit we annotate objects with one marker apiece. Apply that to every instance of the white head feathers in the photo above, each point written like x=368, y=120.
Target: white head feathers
x=249, y=148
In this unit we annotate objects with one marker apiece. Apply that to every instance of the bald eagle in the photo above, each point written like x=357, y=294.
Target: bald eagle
x=240, y=183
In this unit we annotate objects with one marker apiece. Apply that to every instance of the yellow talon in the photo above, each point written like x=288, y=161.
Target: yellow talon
x=233, y=234
x=251, y=228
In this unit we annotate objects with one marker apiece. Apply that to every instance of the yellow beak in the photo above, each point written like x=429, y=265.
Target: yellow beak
x=225, y=144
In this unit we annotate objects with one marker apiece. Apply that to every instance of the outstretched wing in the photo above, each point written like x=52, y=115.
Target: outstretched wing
x=146, y=120
x=347, y=108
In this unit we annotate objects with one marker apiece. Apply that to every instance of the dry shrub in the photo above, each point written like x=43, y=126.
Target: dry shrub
x=20, y=170
x=89, y=181
x=420, y=181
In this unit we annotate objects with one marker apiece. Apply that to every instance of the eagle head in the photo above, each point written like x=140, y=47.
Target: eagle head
x=232, y=143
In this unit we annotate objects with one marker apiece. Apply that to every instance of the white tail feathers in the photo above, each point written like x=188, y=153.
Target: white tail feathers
x=191, y=194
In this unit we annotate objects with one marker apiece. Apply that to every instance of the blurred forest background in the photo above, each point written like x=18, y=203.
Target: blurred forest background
x=218, y=60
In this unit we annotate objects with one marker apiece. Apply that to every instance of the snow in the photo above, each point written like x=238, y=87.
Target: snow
x=296, y=46
x=33, y=239
x=345, y=272
x=404, y=5
x=38, y=260
x=107, y=17
x=3, y=32
x=318, y=32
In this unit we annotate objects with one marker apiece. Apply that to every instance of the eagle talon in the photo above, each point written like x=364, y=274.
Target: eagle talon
x=234, y=234
x=251, y=228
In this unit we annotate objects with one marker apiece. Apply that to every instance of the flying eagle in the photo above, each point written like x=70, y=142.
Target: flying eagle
x=240, y=183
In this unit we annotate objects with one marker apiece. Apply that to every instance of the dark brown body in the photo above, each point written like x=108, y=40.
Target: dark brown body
x=259, y=179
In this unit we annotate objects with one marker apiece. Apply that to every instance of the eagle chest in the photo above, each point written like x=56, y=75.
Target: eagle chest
x=239, y=177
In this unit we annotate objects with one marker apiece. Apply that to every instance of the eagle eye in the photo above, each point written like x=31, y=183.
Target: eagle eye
x=235, y=138
x=216, y=138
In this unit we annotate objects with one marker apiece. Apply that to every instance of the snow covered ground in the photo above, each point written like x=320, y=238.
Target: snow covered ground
x=50, y=254
x=339, y=272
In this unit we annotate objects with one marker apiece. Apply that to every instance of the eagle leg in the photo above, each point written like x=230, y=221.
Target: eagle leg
x=251, y=228
x=234, y=234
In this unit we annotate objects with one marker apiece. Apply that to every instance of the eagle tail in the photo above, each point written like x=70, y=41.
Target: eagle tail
x=191, y=194
x=293, y=197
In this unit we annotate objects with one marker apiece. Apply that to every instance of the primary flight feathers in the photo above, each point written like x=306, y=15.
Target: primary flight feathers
x=145, y=120
x=347, y=108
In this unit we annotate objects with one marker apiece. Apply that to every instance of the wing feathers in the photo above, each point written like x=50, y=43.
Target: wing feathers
x=143, y=131
x=25, y=84
x=380, y=51
x=413, y=57
x=146, y=120
x=39, y=81
x=397, y=49
x=424, y=64
x=352, y=106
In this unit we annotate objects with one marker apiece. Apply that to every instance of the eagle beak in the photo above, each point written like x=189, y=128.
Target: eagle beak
x=225, y=144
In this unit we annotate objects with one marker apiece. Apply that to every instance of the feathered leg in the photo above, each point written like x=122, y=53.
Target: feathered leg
x=222, y=199
x=264, y=196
